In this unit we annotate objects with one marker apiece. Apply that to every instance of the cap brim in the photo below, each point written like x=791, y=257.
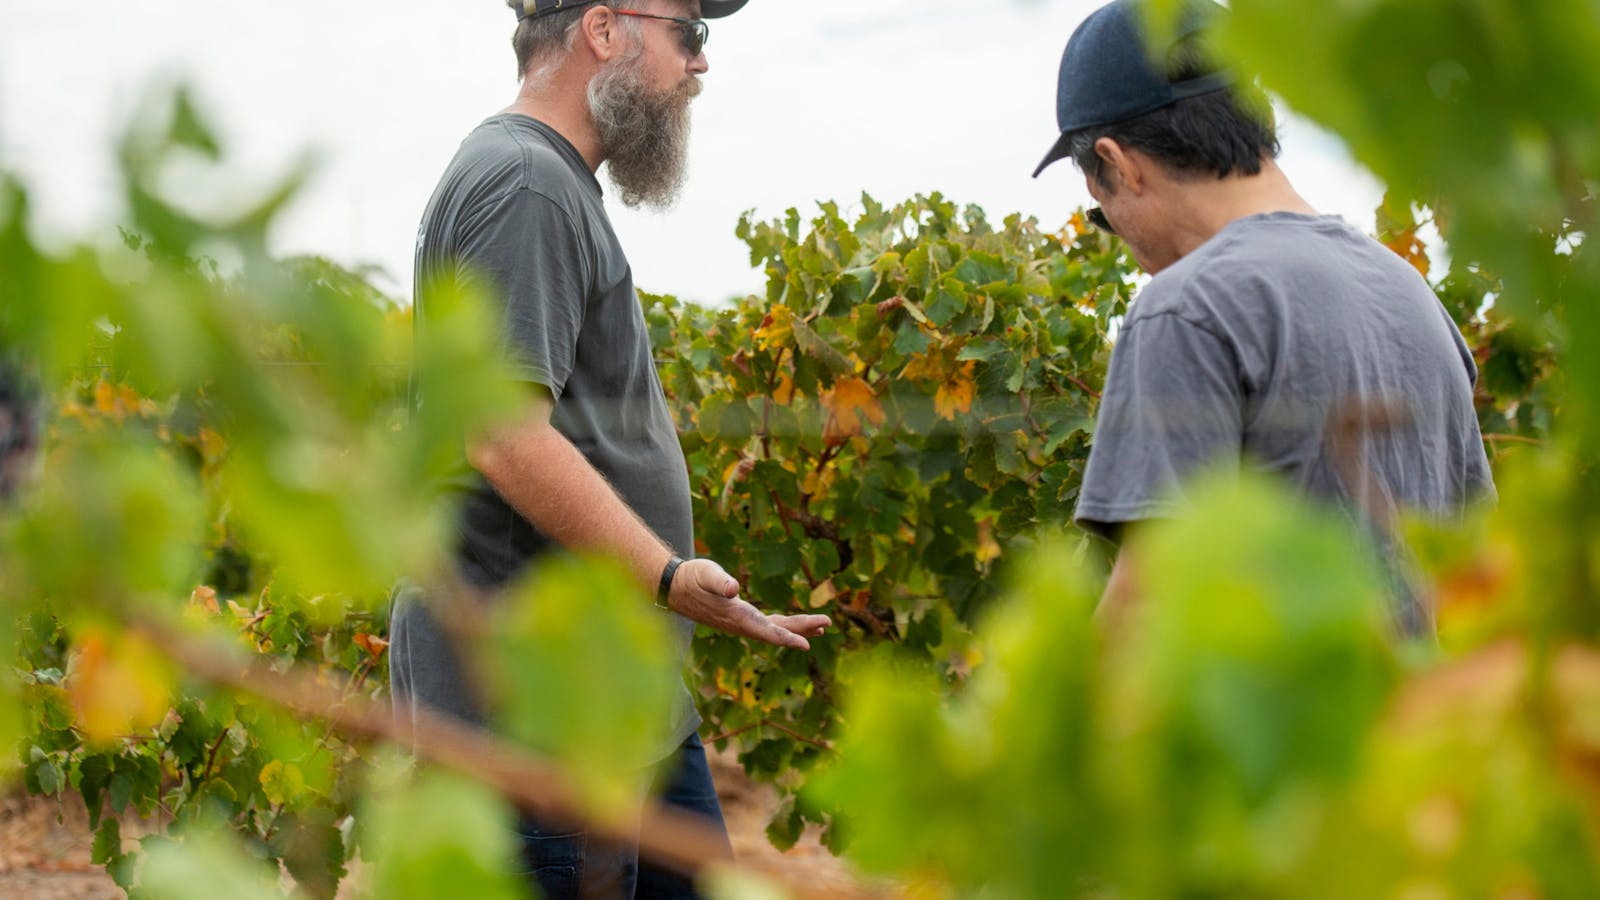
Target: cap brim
x=1058, y=151
x=716, y=9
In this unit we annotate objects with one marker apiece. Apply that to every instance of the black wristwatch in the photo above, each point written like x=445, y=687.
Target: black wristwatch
x=664, y=591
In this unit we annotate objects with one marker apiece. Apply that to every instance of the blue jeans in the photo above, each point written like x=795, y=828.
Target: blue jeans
x=568, y=866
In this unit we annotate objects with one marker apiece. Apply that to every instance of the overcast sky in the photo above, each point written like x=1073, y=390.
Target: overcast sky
x=806, y=100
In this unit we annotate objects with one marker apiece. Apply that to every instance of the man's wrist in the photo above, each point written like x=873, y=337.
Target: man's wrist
x=664, y=589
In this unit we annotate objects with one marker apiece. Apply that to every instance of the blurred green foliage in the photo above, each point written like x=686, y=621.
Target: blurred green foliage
x=1250, y=733
x=883, y=436
x=581, y=672
x=440, y=836
x=236, y=456
x=1206, y=749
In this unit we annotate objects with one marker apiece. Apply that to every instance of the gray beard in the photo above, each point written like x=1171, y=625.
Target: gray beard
x=644, y=134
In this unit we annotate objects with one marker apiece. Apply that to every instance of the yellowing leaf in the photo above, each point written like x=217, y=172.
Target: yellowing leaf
x=736, y=472
x=973, y=657
x=131, y=401
x=1411, y=249
x=282, y=782
x=105, y=399
x=784, y=394
x=114, y=402
x=205, y=596
x=118, y=686
x=928, y=366
x=816, y=483
x=955, y=394
x=373, y=645
x=777, y=329
x=72, y=409
x=211, y=446
x=1076, y=226
x=988, y=548
x=851, y=405
x=823, y=594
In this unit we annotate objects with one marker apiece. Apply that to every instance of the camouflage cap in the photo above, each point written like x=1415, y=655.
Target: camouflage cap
x=527, y=9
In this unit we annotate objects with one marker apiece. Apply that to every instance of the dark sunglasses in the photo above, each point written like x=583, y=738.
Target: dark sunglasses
x=1096, y=215
x=1097, y=218
x=693, y=33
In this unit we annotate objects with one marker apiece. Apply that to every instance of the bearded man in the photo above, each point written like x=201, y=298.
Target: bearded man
x=596, y=465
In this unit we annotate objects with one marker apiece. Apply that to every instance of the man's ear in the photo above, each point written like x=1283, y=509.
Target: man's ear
x=1122, y=166
x=601, y=31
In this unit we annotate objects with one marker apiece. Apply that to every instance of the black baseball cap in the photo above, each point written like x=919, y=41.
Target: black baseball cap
x=1110, y=74
x=528, y=9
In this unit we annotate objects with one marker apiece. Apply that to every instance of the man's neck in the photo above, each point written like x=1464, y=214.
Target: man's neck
x=1206, y=206
x=564, y=107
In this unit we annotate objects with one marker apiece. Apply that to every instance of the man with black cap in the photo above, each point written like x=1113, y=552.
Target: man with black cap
x=1270, y=336
x=596, y=465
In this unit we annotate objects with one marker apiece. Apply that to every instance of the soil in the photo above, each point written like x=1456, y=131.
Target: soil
x=44, y=845
x=44, y=851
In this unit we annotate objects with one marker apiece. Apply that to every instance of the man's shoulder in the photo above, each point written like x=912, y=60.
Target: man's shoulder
x=1180, y=288
x=507, y=153
x=1262, y=255
x=1281, y=244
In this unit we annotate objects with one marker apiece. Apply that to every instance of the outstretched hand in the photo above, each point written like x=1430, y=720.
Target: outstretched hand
x=705, y=592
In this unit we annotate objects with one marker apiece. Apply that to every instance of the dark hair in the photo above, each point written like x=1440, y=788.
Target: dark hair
x=539, y=35
x=1215, y=134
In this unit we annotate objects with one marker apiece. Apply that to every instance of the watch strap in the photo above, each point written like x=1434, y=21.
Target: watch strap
x=664, y=590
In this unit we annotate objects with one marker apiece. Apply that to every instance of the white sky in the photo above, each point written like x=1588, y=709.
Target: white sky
x=806, y=100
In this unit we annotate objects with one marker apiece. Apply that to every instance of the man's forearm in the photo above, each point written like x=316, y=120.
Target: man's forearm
x=550, y=483
x=1121, y=593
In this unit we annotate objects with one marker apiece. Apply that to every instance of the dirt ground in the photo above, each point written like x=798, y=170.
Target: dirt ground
x=44, y=848
x=44, y=852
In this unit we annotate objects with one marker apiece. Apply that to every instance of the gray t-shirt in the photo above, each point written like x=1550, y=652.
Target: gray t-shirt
x=519, y=213
x=1246, y=350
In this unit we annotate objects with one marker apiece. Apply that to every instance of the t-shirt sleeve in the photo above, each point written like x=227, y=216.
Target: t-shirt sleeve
x=1173, y=403
x=525, y=250
x=1463, y=349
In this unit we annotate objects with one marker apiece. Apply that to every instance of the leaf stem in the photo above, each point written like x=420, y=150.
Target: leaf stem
x=211, y=758
x=1080, y=385
x=1513, y=438
x=768, y=723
